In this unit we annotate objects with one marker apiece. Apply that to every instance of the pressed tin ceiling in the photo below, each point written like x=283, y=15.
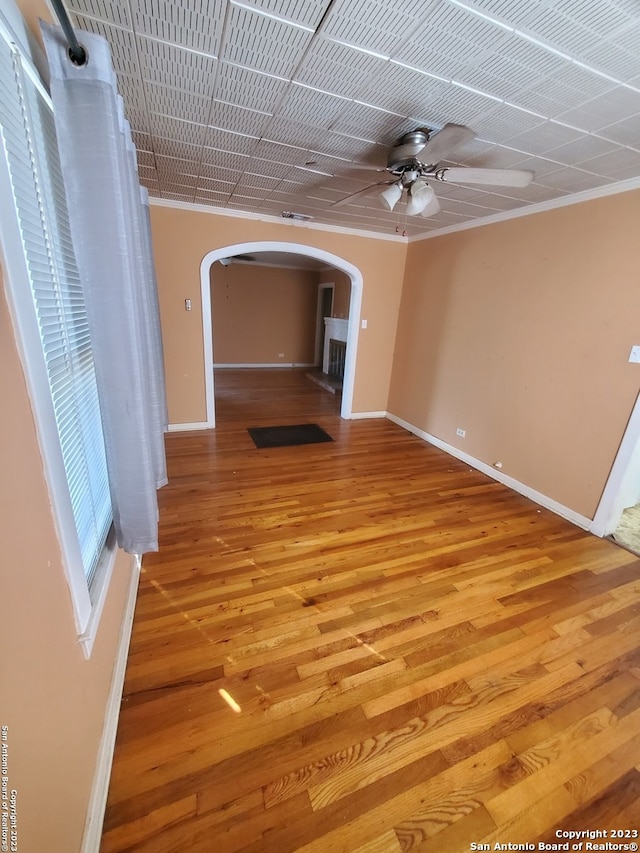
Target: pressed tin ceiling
x=263, y=106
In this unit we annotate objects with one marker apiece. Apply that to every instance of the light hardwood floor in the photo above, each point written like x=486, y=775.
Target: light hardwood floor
x=366, y=645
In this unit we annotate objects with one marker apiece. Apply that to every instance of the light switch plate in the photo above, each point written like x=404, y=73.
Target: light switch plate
x=634, y=355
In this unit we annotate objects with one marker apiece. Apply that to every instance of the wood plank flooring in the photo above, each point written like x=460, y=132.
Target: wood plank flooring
x=366, y=645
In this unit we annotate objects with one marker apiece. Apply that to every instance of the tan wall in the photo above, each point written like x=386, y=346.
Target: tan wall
x=519, y=332
x=52, y=699
x=263, y=315
x=181, y=240
x=341, y=291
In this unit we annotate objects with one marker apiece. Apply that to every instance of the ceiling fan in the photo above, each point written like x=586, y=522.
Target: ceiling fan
x=414, y=160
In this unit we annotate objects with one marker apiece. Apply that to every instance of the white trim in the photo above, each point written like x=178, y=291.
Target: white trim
x=359, y=416
x=611, y=506
x=188, y=427
x=102, y=775
x=530, y=210
x=355, y=307
x=262, y=364
x=98, y=592
x=280, y=266
x=545, y=501
x=263, y=217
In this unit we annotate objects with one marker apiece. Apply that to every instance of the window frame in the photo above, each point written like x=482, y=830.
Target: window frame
x=87, y=598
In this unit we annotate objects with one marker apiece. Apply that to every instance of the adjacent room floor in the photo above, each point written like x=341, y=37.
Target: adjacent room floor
x=627, y=533
x=365, y=645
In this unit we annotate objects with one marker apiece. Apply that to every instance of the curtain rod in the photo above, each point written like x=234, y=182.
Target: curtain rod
x=77, y=54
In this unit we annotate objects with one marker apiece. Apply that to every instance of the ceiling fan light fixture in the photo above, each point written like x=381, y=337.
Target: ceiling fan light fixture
x=420, y=194
x=391, y=196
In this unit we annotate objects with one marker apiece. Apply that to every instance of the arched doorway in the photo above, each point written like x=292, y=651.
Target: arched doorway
x=295, y=249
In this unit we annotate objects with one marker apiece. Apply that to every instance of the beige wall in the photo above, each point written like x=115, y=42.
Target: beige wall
x=52, y=699
x=519, y=332
x=263, y=315
x=181, y=240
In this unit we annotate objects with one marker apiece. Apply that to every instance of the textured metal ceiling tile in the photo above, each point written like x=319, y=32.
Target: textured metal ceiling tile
x=258, y=182
x=176, y=67
x=211, y=197
x=377, y=25
x=581, y=149
x=270, y=168
x=226, y=160
x=305, y=12
x=106, y=10
x=310, y=106
x=339, y=69
x=177, y=103
x=142, y=141
x=625, y=132
x=216, y=119
x=225, y=140
x=145, y=159
x=196, y=24
x=237, y=120
x=371, y=124
x=263, y=43
x=172, y=128
x=176, y=149
x=247, y=88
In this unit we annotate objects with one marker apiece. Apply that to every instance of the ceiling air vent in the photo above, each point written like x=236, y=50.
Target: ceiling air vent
x=301, y=217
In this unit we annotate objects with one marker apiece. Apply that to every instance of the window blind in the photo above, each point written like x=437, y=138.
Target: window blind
x=29, y=142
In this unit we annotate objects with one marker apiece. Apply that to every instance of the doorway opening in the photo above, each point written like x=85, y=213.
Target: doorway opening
x=618, y=513
x=326, y=293
x=353, y=324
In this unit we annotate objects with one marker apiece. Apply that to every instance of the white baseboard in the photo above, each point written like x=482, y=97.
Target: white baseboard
x=357, y=416
x=543, y=500
x=100, y=787
x=262, y=364
x=188, y=427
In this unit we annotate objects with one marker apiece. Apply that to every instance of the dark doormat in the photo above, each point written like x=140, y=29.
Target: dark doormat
x=288, y=436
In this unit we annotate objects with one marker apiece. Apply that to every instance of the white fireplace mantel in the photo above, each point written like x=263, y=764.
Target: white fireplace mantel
x=336, y=328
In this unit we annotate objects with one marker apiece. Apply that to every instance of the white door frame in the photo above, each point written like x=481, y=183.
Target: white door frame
x=326, y=285
x=295, y=249
x=612, y=502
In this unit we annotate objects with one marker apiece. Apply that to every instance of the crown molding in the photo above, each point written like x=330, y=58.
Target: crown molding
x=530, y=210
x=263, y=217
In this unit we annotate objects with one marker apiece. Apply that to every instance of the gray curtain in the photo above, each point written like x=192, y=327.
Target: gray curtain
x=111, y=235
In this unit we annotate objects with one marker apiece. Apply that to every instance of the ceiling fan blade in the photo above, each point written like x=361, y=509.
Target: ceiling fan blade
x=497, y=177
x=365, y=191
x=432, y=208
x=451, y=136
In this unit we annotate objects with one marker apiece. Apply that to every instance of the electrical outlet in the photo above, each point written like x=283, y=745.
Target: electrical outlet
x=280, y=355
x=461, y=432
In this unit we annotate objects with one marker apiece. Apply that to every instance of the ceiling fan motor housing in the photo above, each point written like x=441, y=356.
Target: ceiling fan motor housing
x=419, y=136
x=401, y=156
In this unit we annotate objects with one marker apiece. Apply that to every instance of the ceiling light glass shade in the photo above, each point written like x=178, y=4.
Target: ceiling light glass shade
x=391, y=196
x=420, y=194
x=432, y=207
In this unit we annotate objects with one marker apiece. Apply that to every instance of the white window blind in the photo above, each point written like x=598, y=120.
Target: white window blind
x=30, y=148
